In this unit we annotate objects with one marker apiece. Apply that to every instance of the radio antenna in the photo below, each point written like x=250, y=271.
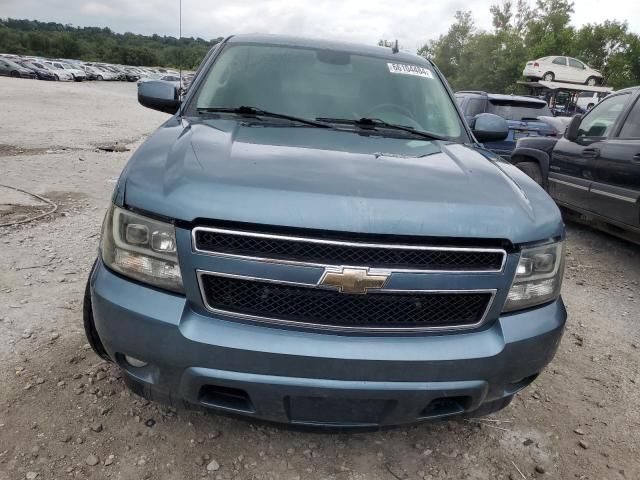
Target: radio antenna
x=179, y=42
x=180, y=52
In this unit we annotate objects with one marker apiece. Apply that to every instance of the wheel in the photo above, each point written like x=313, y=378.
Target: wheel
x=491, y=407
x=89, y=325
x=100, y=78
x=548, y=77
x=533, y=170
x=592, y=81
x=56, y=77
x=15, y=74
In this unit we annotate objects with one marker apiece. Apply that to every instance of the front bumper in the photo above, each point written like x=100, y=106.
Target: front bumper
x=312, y=378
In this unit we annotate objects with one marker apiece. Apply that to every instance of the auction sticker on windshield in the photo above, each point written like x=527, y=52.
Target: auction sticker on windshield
x=405, y=69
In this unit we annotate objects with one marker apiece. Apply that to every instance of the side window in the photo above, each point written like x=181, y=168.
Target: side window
x=576, y=64
x=631, y=127
x=601, y=119
x=475, y=106
x=560, y=61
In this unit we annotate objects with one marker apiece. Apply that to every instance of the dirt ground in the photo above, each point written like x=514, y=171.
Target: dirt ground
x=66, y=414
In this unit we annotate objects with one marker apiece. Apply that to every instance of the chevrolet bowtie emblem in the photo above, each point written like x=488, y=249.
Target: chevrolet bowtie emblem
x=353, y=280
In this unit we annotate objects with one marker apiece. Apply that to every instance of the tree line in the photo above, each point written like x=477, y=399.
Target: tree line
x=475, y=59
x=470, y=58
x=54, y=40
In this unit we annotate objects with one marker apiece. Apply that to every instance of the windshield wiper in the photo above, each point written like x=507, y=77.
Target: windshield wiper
x=377, y=123
x=252, y=111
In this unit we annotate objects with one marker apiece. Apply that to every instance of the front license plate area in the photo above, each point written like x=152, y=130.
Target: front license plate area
x=338, y=411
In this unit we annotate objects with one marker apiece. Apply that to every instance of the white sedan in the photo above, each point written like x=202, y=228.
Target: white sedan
x=59, y=67
x=562, y=69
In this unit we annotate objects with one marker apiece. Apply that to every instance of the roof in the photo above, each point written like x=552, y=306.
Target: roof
x=629, y=89
x=514, y=98
x=503, y=98
x=355, y=48
x=566, y=86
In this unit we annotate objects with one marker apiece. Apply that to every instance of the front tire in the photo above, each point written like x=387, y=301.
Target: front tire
x=99, y=78
x=15, y=74
x=87, y=319
x=592, y=81
x=533, y=170
x=549, y=77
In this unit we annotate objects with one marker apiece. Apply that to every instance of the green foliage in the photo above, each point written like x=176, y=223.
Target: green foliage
x=54, y=40
x=494, y=60
x=450, y=48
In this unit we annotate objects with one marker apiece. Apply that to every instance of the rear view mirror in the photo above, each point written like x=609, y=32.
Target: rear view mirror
x=159, y=95
x=573, y=128
x=488, y=127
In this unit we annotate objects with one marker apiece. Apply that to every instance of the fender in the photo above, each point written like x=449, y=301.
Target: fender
x=525, y=154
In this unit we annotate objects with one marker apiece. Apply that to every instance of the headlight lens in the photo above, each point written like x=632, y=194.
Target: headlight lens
x=141, y=248
x=538, y=277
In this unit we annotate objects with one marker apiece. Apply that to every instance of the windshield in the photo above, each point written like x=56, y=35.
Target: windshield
x=311, y=83
x=517, y=110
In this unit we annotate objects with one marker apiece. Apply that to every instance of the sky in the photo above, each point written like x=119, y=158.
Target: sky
x=412, y=22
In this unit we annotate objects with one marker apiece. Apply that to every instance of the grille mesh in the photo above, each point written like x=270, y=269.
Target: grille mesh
x=333, y=309
x=348, y=254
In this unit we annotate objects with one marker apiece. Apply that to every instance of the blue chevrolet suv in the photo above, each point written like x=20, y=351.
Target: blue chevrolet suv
x=316, y=238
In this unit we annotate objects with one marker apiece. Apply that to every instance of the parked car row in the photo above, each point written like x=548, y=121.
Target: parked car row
x=74, y=70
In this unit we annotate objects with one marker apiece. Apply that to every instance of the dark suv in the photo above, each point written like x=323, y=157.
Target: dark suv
x=594, y=170
x=521, y=113
x=316, y=237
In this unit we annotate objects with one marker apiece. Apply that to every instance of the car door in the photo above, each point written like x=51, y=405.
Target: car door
x=571, y=171
x=560, y=69
x=615, y=189
x=577, y=71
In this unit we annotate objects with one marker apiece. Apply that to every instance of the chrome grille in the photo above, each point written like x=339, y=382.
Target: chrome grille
x=316, y=251
x=308, y=305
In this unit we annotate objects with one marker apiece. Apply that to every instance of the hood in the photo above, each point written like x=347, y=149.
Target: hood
x=305, y=177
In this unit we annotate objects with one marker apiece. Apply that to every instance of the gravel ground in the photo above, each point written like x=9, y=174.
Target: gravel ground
x=66, y=414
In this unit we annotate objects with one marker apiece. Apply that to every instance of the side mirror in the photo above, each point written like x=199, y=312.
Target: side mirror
x=159, y=95
x=572, y=130
x=488, y=127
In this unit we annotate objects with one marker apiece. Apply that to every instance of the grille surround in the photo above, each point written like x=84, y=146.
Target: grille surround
x=317, y=289
x=328, y=252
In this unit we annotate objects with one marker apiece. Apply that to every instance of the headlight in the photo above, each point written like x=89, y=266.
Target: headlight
x=141, y=248
x=538, y=277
